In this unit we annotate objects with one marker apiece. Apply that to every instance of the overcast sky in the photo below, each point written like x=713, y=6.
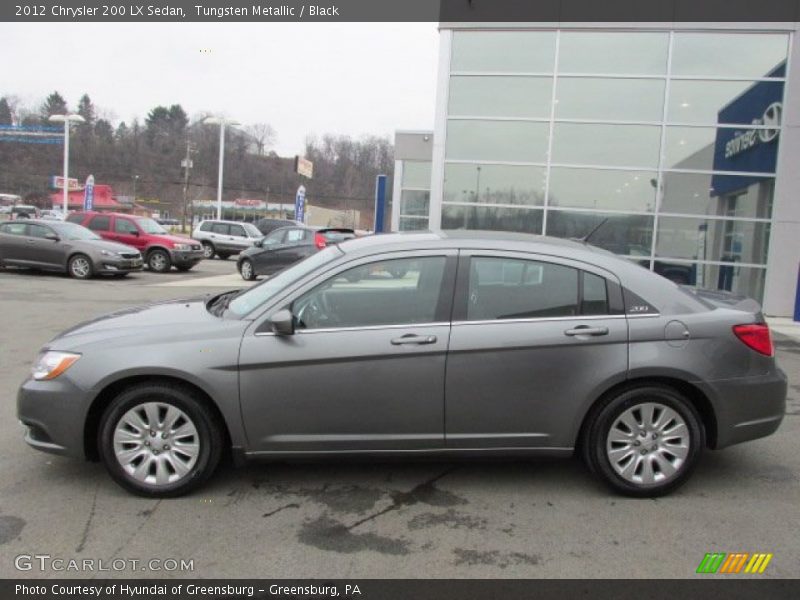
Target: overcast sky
x=302, y=78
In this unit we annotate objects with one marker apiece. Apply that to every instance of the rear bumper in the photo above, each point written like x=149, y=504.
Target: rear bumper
x=747, y=408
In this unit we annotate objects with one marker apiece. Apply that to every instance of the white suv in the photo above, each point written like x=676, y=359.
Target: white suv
x=225, y=238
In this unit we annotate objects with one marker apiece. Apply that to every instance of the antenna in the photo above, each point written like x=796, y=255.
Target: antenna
x=585, y=239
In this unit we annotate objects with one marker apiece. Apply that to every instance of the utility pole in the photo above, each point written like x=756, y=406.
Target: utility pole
x=186, y=163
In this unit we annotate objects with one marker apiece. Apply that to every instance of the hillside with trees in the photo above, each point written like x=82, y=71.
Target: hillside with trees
x=116, y=152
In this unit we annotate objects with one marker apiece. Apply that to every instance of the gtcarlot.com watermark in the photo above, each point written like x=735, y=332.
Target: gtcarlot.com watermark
x=58, y=564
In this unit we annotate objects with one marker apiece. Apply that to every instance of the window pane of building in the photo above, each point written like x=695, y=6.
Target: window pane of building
x=712, y=239
x=606, y=145
x=507, y=288
x=613, y=52
x=745, y=55
x=719, y=195
x=494, y=184
x=603, y=189
x=503, y=51
x=746, y=281
x=492, y=218
x=610, y=99
x=712, y=102
x=516, y=141
x=621, y=234
x=721, y=149
x=414, y=202
x=416, y=174
x=413, y=224
x=500, y=96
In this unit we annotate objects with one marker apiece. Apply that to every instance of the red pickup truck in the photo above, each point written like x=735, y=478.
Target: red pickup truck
x=160, y=249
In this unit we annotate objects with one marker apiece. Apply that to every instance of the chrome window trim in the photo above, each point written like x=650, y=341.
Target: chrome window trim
x=362, y=328
x=541, y=319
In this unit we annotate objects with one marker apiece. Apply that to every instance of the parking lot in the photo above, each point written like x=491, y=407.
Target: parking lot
x=372, y=519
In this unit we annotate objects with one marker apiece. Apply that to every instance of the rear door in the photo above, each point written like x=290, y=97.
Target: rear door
x=13, y=242
x=101, y=225
x=535, y=340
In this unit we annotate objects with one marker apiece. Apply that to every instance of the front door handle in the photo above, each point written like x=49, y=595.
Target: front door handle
x=586, y=330
x=410, y=338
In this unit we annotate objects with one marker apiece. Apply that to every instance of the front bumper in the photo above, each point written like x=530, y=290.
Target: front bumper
x=119, y=265
x=747, y=408
x=186, y=257
x=53, y=414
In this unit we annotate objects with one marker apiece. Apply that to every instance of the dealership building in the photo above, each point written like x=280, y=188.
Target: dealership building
x=675, y=145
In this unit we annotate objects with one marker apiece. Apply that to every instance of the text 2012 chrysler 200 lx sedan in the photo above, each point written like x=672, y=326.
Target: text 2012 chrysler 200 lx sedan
x=490, y=344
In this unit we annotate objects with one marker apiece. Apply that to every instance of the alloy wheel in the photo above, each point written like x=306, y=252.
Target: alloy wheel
x=80, y=267
x=156, y=443
x=208, y=251
x=247, y=270
x=648, y=443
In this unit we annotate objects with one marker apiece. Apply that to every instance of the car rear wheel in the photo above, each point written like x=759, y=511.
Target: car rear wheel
x=159, y=261
x=645, y=441
x=222, y=256
x=184, y=268
x=80, y=267
x=246, y=270
x=208, y=250
x=159, y=440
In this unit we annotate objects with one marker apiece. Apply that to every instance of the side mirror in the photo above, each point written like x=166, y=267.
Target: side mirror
x=135, y=232
x=259, y=243
x=282, y=322
x=52, y=237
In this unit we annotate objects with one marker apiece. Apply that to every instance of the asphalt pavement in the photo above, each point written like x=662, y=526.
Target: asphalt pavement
x=331, y=519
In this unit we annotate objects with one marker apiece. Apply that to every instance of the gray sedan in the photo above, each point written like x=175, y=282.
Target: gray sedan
x=64, y=247
x=487, y=344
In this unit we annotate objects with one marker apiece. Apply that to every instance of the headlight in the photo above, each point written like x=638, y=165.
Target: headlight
x=182, y=247
x=50, y=365
x=105, y=253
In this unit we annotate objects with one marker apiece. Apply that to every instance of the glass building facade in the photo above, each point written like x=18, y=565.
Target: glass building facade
x=661, y=144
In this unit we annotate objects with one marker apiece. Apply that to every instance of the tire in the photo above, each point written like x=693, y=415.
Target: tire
x=159, y=261
x=80, y=267
x=120, y=275
x=639, y=465
x=222, y=256
x=246, y=270
x=127, y=427
x=184, y=268
x=208, y=250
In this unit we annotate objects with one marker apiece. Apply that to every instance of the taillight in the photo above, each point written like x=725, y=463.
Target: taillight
x=756, y=336
x=320, y=241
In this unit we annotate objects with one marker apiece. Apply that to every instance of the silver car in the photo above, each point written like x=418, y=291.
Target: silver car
x=64, y=247
x=488, y=344
x=225, y=238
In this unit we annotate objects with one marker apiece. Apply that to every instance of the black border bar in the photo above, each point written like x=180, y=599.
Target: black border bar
x=448, y=11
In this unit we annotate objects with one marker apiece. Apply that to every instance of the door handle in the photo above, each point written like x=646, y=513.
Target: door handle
x=586, y=330
x=410, y=338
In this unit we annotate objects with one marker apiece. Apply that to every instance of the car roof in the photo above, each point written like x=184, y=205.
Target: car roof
x=225, y=221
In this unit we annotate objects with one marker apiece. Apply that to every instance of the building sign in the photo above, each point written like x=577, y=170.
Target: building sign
x=88, y=193
x=303, y=166
x=749, y=149
x=300, y=204
x=57, y=183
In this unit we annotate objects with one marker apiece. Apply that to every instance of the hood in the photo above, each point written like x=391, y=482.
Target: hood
x=106, y=245
x=171, y=239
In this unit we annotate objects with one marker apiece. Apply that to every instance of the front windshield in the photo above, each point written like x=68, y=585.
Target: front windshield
x=252, y=230
x=150, y=226
x=259, y=294
x=71, y=231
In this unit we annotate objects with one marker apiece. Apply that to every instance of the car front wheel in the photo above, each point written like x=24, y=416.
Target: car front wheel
x=159, y=440
x=80, y=267
x=645, y=441
x=208, y=250
x=246, y=270
x=159, y=261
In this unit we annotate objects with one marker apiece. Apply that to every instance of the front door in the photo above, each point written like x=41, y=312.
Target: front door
x=126, y=232
x=365, y=367
x=41, y=251
x=534, y=341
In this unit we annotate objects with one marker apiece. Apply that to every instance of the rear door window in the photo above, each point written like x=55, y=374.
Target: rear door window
x=75, y=219
x=100, y=223
x=13, y=228
x=294, y=236
x=594, y=299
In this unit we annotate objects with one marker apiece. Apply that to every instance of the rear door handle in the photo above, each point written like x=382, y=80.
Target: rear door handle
x=586, y=330
x=410, y=338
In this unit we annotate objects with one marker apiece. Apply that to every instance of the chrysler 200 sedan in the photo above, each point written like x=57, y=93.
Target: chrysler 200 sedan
x=488, y=344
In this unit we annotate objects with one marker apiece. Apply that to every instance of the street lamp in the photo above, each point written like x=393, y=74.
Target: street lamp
x=66, y=119
x=135, y=179
x=222, y=122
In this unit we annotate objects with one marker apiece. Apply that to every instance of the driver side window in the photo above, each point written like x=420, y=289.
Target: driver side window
x=390, y=292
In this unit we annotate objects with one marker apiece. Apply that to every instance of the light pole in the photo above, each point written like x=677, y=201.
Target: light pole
x=222, y=122
x=135, y=179
x=66, y=119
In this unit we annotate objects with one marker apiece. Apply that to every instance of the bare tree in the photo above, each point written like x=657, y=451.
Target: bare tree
x=262, y=135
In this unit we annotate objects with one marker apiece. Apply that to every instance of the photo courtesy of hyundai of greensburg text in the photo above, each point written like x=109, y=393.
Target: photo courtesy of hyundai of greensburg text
x=377, y=300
